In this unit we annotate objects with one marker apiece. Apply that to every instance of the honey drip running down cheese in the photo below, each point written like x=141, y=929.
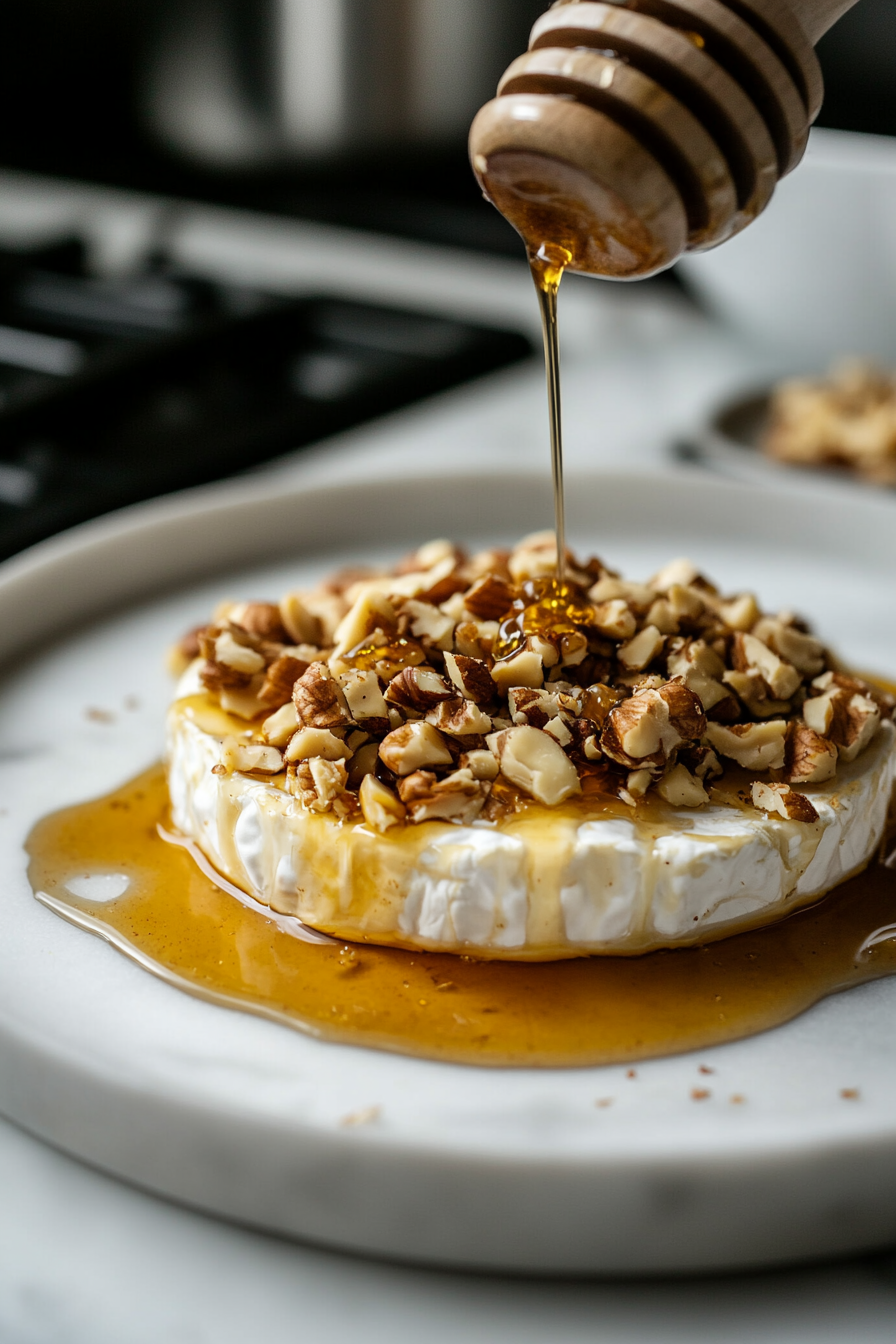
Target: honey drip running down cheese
x=177, y=923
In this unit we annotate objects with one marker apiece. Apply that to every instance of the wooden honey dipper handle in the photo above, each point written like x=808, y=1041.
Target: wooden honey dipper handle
x=633, y=130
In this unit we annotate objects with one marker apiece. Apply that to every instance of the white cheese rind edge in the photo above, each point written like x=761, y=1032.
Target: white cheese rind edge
x=608, y=885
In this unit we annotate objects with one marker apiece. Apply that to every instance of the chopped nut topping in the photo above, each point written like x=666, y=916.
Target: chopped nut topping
x=636, y=689
x=535, y=763
x=414, y=746
x=783, y=800
x=319, y=700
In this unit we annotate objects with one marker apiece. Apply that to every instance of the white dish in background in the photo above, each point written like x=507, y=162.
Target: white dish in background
x=513, y=1169
x=730, y=441
x=815, y=275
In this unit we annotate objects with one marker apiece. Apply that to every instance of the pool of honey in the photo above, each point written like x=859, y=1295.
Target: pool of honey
x=594, y=1010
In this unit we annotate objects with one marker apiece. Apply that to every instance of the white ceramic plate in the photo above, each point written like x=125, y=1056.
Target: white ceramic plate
x=484, y=1168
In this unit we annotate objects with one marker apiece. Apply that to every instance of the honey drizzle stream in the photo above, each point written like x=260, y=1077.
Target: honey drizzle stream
x=594, y=1010
x=547, y=265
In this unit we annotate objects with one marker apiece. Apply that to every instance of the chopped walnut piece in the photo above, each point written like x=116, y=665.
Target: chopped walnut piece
x=700, y=668
x=279, y=727
x=249, y=757
x=802, y=650
x=381, y=808
x=420, y=688
x=459, y=718
x=637, y=596
x=237, y=656
x=319, y=700
x=680, y=788
x=298, y=622
x=755, y=746
x=862, y=723
x=471, y=677
x=739, y=613
x=809, y=758
x=328, y=609
x=370, y=611
x=458, y=797
x=614, y=619
x=783, y=800
x=280, y=678
x=524, y=668
x=428, y=623
x=260, y=618
x=414, y=746
x=535, y=763
x=597, y=701
x=646, y=729
x=480, y=763
x=662, y=617
x=749, y=654
x=474, y=639
x=677, y=573
x=535, y=557
x=490, y=598
x=364, y=697
x=534, y=707
x=308, y=742
x=850, y=720
x=638, y=652
x=752, y=688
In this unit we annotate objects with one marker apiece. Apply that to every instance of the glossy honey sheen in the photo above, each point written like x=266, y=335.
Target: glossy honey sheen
x=596, y=1010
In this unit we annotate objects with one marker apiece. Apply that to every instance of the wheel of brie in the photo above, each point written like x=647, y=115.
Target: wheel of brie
x=469, y=755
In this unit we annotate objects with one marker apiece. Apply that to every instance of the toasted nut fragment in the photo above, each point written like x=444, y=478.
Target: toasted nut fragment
x=250, y=756
x=647, y=728
x=238, y=656
x=330, y=779
x=281, y=676
x=699, y=667
x=371, y=611
x=809, y=758
x=662, y=617
x=363, y=695
x=459, y=717
x=532, y=706
x=490, y=598
x=686, y=603
x=805, y=653
x=739, y=613
x=680, y=788
x=299, y=623
x=414, y=746
x=419, y=688
x=614, y=619
x=381, y=808
x=458, y=797
x=523, y=668
x=559, y=730
x=636, y=785
x=363, y=762
x=751, y=687
x=475, y=638
x=279, y=728
x=756, y=746
x=534, y=558
x=260, y=618
x=329, y=608
x=749, y=654
x=573, y=648
x=535, y=763
x=428, y=623
x=635, y=595
x=783, y=800
x=481, y=764
x=862, y=723
x=319, y=700
x=678, y=573
x=309, y=742
x=855, y=686
x=471, y=677
x=641, y=650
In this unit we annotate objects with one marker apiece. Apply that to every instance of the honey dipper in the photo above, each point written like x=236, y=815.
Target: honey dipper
x=634, y=130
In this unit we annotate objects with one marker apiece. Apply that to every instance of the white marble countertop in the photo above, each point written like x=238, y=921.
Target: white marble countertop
x=86, y=1260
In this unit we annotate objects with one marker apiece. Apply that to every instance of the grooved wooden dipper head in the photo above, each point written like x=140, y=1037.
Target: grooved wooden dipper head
x=633, y=130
